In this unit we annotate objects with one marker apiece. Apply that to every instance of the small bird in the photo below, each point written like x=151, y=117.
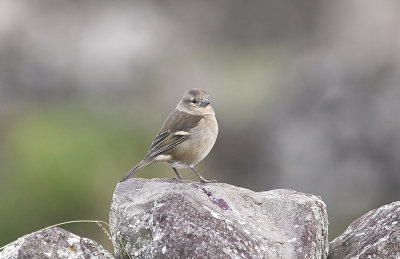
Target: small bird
x=186, y=137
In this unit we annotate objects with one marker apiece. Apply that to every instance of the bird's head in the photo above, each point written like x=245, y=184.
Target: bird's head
x=196, y=101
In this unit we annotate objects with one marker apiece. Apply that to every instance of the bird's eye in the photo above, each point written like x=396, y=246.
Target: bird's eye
x=194, y=101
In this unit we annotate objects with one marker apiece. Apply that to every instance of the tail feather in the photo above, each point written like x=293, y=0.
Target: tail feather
x=136, y=168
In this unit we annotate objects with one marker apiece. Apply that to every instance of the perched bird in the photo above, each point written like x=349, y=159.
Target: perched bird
x=186, y=137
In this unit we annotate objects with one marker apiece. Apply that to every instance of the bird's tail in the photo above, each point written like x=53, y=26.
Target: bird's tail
x=136, y=168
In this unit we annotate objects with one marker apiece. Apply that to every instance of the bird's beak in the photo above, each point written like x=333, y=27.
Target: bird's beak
x=204, y=102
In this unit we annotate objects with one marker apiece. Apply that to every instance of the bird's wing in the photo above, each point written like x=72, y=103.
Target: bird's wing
x=174, y=131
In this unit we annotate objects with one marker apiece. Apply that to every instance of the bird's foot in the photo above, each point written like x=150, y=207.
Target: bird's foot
x=176, y=179
x=202, y=180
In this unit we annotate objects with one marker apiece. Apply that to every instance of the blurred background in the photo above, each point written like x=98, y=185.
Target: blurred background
x=307, y=96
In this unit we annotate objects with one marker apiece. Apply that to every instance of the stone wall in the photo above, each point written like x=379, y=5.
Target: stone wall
x=164, y=218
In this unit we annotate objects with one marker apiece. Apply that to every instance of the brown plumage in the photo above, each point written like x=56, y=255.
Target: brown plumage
x=186, y=137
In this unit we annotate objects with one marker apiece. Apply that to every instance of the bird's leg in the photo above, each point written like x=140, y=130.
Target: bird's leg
x=177, y=174
x=202, y=179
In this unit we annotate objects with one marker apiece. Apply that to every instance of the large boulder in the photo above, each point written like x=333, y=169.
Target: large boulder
x=54, y=243
x=374, y=235
x=164, y=218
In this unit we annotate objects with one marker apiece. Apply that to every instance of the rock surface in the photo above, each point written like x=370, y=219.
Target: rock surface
x=169, y=219
x=374, y=235
x=54, y=243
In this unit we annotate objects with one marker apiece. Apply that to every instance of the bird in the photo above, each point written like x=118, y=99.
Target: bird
x=186, y=136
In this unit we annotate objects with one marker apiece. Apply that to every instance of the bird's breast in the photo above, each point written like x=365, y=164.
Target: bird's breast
x=199, y=143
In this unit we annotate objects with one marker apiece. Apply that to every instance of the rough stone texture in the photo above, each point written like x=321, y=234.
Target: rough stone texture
x=164, y=218
x=54, y=243
x=374, y=235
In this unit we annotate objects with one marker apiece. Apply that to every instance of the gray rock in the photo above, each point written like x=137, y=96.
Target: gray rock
x=54, y=243
x=374, y=235
x=163, y=218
